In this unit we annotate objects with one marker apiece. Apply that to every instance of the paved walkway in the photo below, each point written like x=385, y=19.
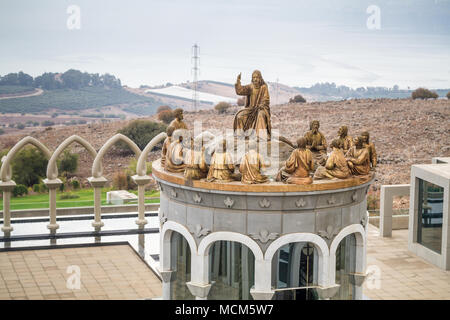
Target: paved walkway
x=106, y=272
x=403, y=275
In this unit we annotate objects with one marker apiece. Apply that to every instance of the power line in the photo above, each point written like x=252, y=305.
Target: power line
x=195, y=71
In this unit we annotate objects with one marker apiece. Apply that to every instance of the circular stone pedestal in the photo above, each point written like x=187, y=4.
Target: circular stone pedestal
x=264, y=218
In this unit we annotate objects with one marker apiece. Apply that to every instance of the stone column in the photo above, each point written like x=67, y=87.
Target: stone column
x=262, y=290
x=167, y=278
x=52, y=185
x=141, y=181
x=98, y=184
x=7, y=188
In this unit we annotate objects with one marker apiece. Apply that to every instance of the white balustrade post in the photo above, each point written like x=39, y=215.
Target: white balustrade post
x=98, y=184
x=141, y=181
x=52, y=185
x=7, y=188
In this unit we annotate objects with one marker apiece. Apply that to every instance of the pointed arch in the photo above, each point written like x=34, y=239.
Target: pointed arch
x=141, y=167
x=97, y=168
x=52, y=168
x=5, y=171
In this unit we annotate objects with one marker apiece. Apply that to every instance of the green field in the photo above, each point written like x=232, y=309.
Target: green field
x=86, y=199
x=14, y=89
x=73, y=100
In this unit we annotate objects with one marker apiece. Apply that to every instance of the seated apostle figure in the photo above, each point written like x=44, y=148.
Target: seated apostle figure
x=196, y=167
x=221, y=168
x=298, y=166
x=358, y=158
x=336, y=165
x=251, y=165
x=174, y=156
x=166, y=145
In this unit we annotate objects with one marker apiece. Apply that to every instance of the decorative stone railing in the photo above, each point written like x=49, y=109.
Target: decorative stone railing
x=97, y=180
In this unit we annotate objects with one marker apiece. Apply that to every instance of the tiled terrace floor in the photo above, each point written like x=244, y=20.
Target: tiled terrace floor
x=403, y=275
x=106, y=272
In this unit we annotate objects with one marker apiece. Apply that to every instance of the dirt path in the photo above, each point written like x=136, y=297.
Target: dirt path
x=36, y=92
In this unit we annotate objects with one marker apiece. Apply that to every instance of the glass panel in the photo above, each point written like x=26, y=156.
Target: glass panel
x=345, y=266
x=431, y=207
x=181, y=265
x=232, y=271
x=295, y=267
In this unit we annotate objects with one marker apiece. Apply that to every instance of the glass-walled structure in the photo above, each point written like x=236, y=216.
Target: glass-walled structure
x=181, y=265
x=430, y=215
x=345, y=268
x=232, y=271
x=295, y=266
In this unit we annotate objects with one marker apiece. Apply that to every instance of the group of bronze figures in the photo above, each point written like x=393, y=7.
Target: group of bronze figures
x=308, y=161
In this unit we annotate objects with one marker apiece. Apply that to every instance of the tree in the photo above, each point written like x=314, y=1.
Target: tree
x=29, y=166
x=141, y=132
x=163, y=108
x=448, y=95
x=68, y=163
x=422, y=93
x=297, y=99
x=222, y=107
x=19, y=190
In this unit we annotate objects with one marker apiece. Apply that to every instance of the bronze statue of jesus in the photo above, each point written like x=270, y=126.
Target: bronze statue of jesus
x=256, y=114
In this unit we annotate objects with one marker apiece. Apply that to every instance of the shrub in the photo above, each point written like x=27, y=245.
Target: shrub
x=47, y=123
x=42, y=187
x=133, y=164
x=29, y=166
x=36, y=188
x=2, y=131
x=81, y=121
x=163, y=108
x=75, y=184
x=166, y=116
x=68, y=195
x=297, y=99
x=19, y=190
x=141, y=132
x=20, y=126
x=222, y=107
x=448, y=95
x=241, y=101
x=54, y=115
x=422, y=93
x=68, y=163
x=120, y=181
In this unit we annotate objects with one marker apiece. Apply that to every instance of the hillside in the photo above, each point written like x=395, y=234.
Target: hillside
x=404, y=131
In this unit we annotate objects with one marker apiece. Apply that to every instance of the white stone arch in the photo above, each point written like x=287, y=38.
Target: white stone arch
x=5, y=171
x=317, y=241
x=205, y=244
x=360, y=235
x=52, y=168
x=141, y=167
x=165, y=242
x=97, y=169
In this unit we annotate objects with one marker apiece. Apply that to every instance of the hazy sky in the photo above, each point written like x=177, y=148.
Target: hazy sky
x=301, y=42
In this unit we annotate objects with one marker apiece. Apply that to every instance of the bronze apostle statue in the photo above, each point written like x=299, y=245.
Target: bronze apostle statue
x=178, y=122
x=251, y=165
x=358, y=159
x=316, y=142
x=256, y=114
x=298, y=166
x=166, y=145
x=196, y=167
x=221, y=167
x=174, y=156
x=371, y=147
x=346, y=140
x=336, y=166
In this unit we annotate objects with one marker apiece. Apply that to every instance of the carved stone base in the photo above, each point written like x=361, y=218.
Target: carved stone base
x=199, y=290
x=326, y=293
x=357, y=279
x=261, y=295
